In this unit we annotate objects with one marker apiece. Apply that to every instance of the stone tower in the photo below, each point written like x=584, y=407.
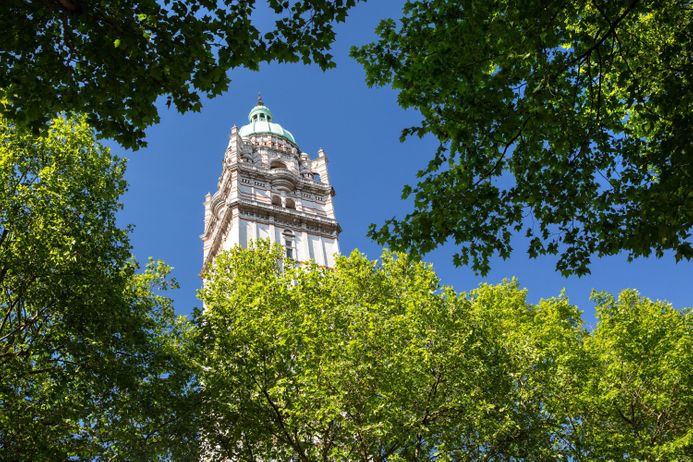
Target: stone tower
x=269, y=189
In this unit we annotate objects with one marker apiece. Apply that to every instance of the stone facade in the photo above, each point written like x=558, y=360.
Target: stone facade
x=269, y=189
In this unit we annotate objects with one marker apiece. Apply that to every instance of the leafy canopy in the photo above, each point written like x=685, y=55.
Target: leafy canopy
x=569, y=121
x=90, y=349
x=379, y=362
x=112, y=59
x=640, y=381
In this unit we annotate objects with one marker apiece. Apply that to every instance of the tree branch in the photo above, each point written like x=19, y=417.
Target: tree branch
x=70, y=6
x=610, y=30
x=280, y=420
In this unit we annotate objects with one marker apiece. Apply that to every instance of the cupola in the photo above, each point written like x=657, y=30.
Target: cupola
x=260, y=122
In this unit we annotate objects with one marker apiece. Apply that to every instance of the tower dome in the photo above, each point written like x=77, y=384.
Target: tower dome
x=260, y=122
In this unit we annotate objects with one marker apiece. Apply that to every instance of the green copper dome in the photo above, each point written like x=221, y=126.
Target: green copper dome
x=260, y=119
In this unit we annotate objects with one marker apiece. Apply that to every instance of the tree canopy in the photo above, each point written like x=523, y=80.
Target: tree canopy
x=90, y=349
x=378, y=362
x=113, y=60
x=568, y=121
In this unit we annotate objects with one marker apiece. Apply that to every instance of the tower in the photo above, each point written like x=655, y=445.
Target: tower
x=269, y=189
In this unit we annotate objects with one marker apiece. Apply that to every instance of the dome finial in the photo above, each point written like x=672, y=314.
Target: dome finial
x=259, y=100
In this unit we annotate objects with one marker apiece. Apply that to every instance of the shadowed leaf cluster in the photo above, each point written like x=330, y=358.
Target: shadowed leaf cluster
x=113, y=60
x=568, y=122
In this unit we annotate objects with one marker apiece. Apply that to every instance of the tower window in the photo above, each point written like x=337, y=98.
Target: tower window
x=276, y=200
x=290, y=204
x=289, y=249
x=277, y=164
x=289, y=244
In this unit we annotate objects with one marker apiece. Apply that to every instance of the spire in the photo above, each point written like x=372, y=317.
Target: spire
x=259, y=100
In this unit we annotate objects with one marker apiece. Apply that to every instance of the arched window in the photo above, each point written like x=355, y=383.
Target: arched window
x=276, y=200
x=316, y=178
x=290, y=204
x=277, y=164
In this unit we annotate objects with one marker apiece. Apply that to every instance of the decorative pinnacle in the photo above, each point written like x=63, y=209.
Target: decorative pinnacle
x=259, y=100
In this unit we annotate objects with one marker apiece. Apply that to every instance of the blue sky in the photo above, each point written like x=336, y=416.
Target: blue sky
x=359, y=129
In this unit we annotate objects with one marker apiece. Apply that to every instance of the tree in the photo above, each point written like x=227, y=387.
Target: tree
x=637, y=401
x=379, y=362
x=91, y=363
x=568, y=121
x=113, y=59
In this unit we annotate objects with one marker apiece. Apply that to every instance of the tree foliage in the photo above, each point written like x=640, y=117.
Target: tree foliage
x=90, y=362
x=114, y=59
x=641, y=355
x=379, y=362
x=569, y=121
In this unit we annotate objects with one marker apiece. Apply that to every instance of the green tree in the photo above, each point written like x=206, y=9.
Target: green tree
x=637, y=401
x=113, y=59
x=375, y=362
x=569, y=121
x=379, y=362
x=90, y=349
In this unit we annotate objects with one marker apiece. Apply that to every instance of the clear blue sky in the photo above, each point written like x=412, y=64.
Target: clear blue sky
x=359, y=129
